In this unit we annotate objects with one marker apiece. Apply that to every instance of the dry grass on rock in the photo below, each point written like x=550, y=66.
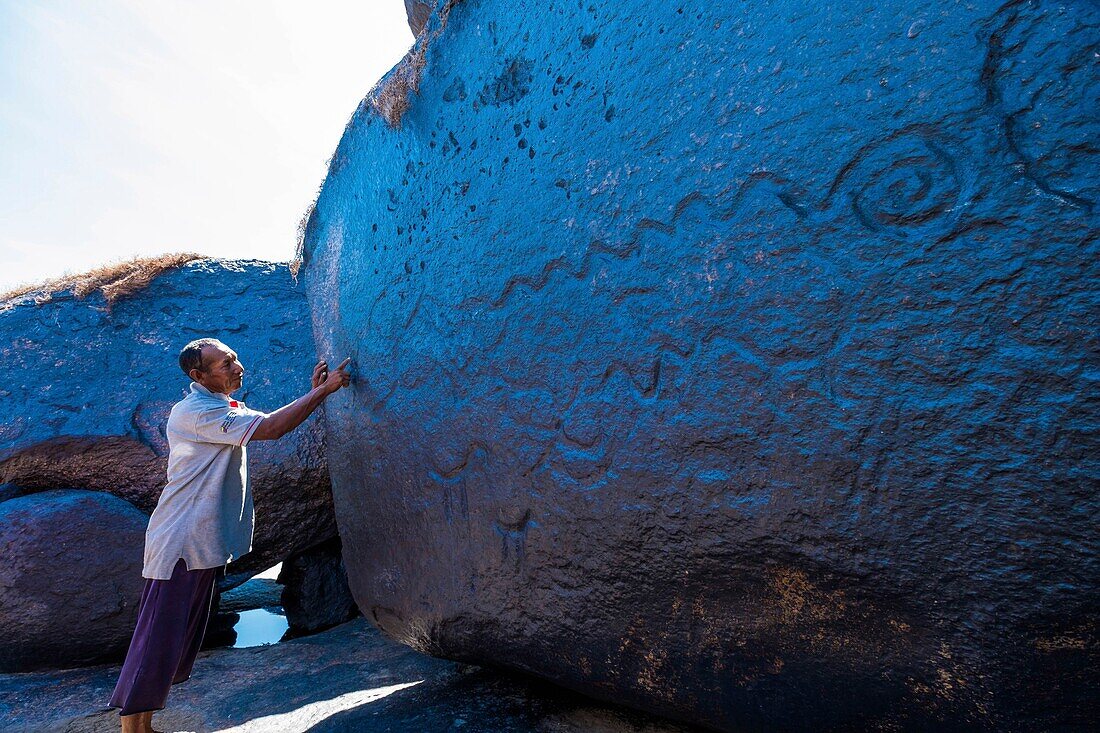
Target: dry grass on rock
x=116, y=280
x=390, y=97
x=299, y=258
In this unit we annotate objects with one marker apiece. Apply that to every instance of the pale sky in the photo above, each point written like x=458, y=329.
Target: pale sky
x=139, y=127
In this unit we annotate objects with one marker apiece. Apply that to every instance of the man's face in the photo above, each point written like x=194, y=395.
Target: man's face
x=221, y=370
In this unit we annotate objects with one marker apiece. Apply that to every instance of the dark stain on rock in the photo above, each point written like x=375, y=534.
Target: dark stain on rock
x=456, y=91
x=512, y=85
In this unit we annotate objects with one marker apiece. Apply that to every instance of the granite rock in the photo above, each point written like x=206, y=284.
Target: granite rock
x=10, y=491
x=70, y=578
x=90, y=383
x=256, y=593
x=349, y=678
x=418, y=13
x=736, y=361
x=315, y=592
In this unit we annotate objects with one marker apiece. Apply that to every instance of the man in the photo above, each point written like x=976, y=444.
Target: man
x=203, y=520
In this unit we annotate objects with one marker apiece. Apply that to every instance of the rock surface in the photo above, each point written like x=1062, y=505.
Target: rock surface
x=418, y=13
x=315, y=589
x=10, y=491
x=256, y=593
x=98, y=420
x=346, y=679
x=733, y=360
x=70, y=578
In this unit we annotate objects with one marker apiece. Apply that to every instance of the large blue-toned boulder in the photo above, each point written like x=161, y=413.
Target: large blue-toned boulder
x=70, y=578
x=736, y=361
x=88, y=379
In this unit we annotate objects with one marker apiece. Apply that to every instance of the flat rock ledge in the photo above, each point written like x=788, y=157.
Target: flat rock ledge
x=349, y=678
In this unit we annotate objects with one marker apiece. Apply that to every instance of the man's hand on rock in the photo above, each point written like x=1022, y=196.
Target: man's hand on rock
x=331, y=382
x=334, y=380
x=288, y=417
x=320, y=374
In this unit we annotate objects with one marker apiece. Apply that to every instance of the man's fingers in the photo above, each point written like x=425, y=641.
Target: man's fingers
x=343, y=364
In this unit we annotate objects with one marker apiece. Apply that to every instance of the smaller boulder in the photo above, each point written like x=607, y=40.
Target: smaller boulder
x=315, y=589
x=70, y=580
x=254, y=593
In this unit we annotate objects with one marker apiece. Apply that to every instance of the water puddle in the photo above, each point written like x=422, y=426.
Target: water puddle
x=259, y=627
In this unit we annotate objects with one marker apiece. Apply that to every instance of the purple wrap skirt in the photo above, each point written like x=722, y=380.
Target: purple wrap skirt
x=171, y=623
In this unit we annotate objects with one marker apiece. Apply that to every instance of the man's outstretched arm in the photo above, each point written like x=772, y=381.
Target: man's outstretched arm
x=288, y=417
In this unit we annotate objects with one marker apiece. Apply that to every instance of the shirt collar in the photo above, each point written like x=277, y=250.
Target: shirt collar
x=196, y=387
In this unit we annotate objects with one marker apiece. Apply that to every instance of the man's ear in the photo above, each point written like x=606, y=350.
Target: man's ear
x=195, y=374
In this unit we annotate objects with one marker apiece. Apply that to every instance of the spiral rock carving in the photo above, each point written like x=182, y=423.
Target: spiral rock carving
x=906, y=181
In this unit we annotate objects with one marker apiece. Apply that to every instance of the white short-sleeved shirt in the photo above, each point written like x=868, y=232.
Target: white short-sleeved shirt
x=205, y=512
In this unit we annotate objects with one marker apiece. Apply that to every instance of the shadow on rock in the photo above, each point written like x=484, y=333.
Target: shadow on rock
x=472, y=698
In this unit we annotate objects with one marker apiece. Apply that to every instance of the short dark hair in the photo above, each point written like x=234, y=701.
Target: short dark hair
x=191, y=356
